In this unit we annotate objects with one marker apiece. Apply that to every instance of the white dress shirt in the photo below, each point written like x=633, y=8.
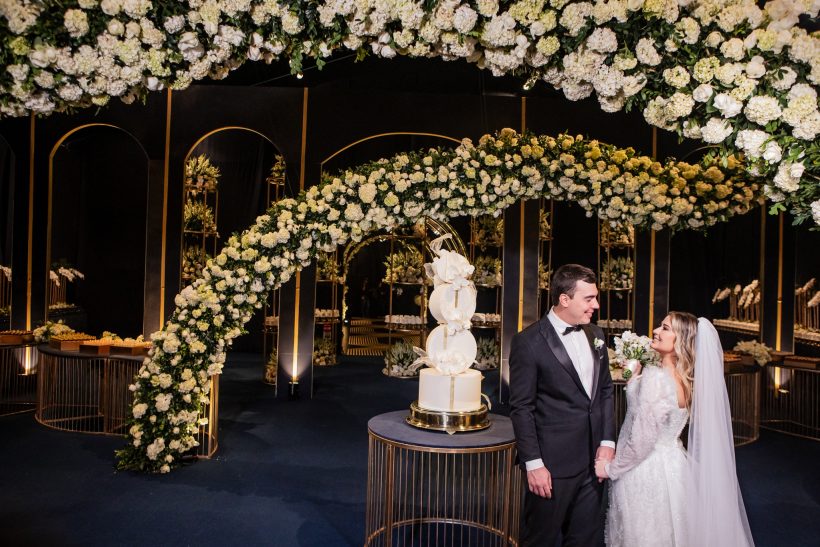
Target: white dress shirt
x=580, y=353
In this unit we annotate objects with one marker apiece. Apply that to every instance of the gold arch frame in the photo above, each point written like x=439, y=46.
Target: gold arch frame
x=380, y=135
x=51, y=155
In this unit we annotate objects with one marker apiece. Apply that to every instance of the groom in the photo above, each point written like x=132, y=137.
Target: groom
x=562, y=412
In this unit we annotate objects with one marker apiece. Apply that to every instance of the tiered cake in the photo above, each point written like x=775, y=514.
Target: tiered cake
x=449, y=390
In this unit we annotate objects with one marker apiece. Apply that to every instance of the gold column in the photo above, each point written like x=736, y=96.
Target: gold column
x=30, y=220
x=165, y=171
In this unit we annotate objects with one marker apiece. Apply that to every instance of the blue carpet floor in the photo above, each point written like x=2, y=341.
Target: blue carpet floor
x=291, y=473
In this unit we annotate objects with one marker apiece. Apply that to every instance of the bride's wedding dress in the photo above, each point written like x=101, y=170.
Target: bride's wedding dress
x=647, y=497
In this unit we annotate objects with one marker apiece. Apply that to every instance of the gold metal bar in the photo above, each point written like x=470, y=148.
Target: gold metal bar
x=777, y=344
x=165, y=184
x=30, y=220
x=521, y=269
x=651, y=280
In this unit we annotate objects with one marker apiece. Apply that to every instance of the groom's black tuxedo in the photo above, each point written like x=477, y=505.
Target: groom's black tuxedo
x=555, y=420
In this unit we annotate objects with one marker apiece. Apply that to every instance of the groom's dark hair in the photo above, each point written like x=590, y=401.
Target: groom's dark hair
x=565, y=278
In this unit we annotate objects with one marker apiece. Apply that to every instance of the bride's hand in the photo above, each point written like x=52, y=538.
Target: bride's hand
x=600, y=469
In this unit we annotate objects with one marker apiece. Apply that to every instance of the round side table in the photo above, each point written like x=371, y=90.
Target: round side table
x=430, y=488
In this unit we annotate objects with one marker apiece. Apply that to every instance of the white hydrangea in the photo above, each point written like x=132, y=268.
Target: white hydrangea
x=76, y=22
x=603, y=40
x=815, y=211
x=155, y=448
x=646, y=52
x=762, y=109
x=677, y=76
x=716, y=130
x=464, y=19
x=733, y=49
x=574, y=17
x=751, y=142
x=783, y=78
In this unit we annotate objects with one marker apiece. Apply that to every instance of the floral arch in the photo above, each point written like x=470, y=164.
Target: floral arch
x=171, y=390
x=726, y=72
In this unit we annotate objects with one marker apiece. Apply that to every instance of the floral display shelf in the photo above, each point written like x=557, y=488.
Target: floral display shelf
x=808, y=337
x=743, y=327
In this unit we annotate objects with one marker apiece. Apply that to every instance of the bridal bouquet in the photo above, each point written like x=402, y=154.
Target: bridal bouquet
x=632, y=350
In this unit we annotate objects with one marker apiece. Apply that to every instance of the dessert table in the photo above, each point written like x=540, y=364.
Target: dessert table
x=431, y=488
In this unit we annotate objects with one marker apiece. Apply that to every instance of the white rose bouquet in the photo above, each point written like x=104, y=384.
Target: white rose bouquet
x=632, y=350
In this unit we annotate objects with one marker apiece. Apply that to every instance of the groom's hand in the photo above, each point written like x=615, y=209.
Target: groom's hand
x=604, y=455
x=540, y=482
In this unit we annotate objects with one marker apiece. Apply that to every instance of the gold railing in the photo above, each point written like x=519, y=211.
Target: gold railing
x=441, y=496
x=18, y=379
x=89, y=394
x=743, y=388
x=791, y=401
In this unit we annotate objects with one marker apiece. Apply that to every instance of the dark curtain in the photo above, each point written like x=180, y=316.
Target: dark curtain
x=6, y=202
x=702, y=262
x=98, y=226
x=244, y=159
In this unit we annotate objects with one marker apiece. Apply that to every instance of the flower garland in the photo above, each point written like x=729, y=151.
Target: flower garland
x=723, y=71
x=171, y=390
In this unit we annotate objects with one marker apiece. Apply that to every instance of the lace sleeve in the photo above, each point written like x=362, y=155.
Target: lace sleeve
x=655, y=400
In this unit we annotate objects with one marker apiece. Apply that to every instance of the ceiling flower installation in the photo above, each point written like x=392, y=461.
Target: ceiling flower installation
x=722, y=71
x=171, y=389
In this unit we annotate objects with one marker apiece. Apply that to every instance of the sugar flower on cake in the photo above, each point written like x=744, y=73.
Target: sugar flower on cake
x=448, y=266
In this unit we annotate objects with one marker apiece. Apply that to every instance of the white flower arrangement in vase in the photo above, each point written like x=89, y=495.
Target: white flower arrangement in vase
x=617, y=233
x=201, y=175
x=327, y=269
x=399, y=361
x=487, y=271
x=324, y=352
x=194, y=259
x=272, y=366
x=761, y=353
x=488, y=232
x=617, y=273
x=50, y=328
x=487, y=357
x=404, y=266
x=544, y=276
x=544, y=226
x=277, y=172
x=199, y=217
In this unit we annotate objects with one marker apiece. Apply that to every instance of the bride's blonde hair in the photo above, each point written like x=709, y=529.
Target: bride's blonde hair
x=685, y=327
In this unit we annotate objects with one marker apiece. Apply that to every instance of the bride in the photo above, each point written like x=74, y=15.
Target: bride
x=659, y=495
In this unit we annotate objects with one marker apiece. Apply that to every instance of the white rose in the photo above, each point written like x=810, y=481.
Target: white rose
x=702, y=93
x=728, y=105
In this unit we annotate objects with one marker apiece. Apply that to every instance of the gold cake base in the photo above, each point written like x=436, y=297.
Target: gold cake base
x=451, y=422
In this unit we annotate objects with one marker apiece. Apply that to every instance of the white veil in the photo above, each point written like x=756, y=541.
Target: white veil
x=717, y=516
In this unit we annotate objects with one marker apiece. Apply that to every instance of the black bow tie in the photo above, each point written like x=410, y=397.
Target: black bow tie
x=572, y=329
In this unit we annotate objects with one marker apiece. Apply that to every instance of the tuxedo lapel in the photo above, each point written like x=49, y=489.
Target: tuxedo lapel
x=558, y=350
x=596, y=360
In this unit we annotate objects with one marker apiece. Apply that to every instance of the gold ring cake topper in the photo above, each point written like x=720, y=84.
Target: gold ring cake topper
x=449, y=389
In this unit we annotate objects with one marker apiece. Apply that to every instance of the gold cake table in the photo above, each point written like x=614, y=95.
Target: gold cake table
x=431, y=488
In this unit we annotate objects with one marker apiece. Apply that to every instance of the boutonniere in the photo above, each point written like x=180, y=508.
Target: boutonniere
x=598, y=343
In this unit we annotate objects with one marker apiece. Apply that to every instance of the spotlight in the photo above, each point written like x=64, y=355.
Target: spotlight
x=293, y=392
x=299, y=76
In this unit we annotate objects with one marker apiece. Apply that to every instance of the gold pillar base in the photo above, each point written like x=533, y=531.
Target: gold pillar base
x=451, y=422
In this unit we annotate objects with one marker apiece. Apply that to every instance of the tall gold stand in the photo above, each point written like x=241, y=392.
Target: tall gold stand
x=426, y=488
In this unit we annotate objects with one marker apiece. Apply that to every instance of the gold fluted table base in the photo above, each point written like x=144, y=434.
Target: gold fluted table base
x=429, y=488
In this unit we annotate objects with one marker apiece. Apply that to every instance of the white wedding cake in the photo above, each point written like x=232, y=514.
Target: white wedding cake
x=449, y=384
